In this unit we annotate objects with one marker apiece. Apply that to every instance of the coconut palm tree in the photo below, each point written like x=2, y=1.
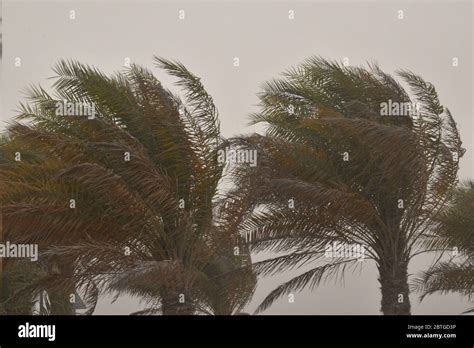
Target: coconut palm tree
x=339, y=163
x=115, y=178
x=457, y=236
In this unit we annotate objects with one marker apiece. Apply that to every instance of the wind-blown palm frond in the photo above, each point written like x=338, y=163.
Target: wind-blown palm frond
x=309, y=279
x=456, y=236
x=448, y=277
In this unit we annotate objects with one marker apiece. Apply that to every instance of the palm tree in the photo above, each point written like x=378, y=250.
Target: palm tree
x=333, y=168
x=456, y=235
x=123, y=200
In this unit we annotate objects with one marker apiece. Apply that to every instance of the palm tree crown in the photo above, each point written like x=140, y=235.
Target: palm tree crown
x=124, y=197
x=333, y=166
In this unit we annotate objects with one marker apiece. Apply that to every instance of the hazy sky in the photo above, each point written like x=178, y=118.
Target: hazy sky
x=266, y=41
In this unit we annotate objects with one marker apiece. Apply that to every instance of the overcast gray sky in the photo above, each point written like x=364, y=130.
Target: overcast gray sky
x=266, y=41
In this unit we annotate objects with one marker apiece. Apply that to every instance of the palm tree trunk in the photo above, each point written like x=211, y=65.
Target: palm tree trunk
x=393, y=278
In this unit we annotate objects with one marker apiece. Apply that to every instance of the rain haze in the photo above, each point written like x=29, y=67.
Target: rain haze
x=266, y=42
